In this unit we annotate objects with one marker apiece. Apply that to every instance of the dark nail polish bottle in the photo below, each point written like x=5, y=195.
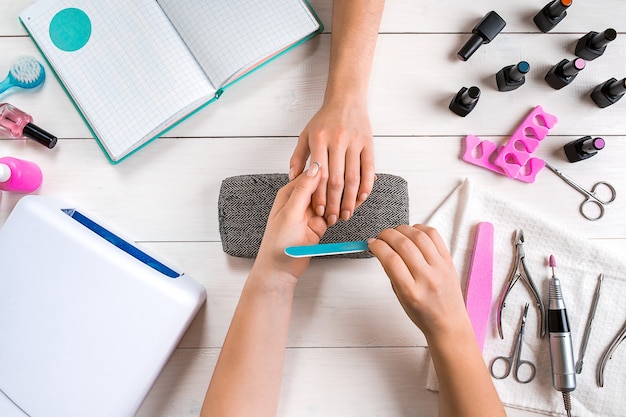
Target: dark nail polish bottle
x=593, y=44
x=512, y=77
x=465, y=100
x=609, y=92
x=484, y=32
x=563, y=73
x=583, y=148
x=551, y=15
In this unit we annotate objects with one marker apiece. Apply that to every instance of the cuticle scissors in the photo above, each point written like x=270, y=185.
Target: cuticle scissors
x=515, y=362
x=521, y=271
x=591, y=197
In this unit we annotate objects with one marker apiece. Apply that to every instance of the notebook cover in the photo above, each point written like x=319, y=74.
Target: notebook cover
x=218, y=93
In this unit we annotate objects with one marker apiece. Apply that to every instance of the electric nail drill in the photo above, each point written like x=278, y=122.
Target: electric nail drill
x=561, y=350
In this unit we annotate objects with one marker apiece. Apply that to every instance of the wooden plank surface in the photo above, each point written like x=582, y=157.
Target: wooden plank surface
x=351, y=349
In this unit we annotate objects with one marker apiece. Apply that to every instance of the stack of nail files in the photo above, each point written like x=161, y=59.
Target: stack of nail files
x=580, y=263
x=245, y=202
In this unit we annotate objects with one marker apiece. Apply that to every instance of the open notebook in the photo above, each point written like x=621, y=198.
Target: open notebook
x=136, y=68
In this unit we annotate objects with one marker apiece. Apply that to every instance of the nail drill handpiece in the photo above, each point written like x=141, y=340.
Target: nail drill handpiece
x=561, y=350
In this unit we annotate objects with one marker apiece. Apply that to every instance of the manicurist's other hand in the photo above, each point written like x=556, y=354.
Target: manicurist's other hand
x=423, y=277
x=247, y=377
x=425, y=281
x=291, y=222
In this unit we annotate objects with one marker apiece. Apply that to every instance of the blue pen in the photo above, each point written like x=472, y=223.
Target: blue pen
x=325, y=249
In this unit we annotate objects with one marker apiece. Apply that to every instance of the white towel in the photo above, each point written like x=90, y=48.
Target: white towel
x=579, y=263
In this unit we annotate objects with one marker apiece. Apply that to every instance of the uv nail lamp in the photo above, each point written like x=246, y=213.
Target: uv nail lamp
x=87, y=318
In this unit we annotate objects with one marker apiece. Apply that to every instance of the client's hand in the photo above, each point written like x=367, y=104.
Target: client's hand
x=423, y=277
x=339, y=137
x=291, y=222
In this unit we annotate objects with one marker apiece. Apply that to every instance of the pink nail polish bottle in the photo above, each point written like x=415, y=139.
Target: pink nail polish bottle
x=17, y=124
x=19, y=175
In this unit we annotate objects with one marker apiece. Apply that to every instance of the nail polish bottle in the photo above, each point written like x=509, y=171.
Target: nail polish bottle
x=609, y=92
x=19, y=175
x=512, y=77
x=593, y=44
x=17, y=124
x=551, y=15
x=465, y=100
x=484, y=32
x=563, y=73
x=583, y=148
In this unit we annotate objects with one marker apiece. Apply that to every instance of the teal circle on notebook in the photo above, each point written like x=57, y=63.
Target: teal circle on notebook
x=70, y=29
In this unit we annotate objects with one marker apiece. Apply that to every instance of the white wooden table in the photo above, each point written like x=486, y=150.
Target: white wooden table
x=352, y=351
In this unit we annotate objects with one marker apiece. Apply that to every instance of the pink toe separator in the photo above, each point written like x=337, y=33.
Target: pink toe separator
x=514, y=159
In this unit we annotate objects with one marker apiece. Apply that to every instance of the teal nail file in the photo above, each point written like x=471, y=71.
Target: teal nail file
x=325, y=249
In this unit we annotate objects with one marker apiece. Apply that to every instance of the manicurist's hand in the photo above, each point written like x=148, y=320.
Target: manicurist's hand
x=291, y=222
x=339, y=136
x=425, y=281
x=423, y=277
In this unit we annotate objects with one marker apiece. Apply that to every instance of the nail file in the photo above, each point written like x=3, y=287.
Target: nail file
x=478, y=292
x=325, y=249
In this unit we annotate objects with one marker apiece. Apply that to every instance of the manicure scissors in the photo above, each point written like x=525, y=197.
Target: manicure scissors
x=520, y=271
x=514, y=362
x=621, y=336
x=591, y=197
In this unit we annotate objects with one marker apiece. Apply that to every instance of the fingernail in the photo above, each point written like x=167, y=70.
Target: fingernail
x=332, y=220
x=319, y=210
x=291, y=173
x=371, y=240
x=313, y=169
x=363, y=197
x=345, y=215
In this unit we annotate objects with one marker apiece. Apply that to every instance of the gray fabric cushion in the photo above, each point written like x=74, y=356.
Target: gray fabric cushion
x=245, y=202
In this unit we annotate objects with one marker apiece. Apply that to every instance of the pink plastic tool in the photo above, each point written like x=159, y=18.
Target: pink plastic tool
x=478, y=292
x=19, y=175
x=514, y=159
x=480, y=152
x=524, y=141
x=529, y=171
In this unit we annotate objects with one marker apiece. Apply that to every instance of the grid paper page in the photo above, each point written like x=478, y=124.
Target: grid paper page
x=229, y=36
x=133, y=77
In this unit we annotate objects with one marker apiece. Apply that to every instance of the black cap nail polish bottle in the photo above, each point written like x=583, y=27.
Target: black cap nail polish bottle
x=465, y=100
x=484, y=32
x=609, y=92
x=563, y=73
